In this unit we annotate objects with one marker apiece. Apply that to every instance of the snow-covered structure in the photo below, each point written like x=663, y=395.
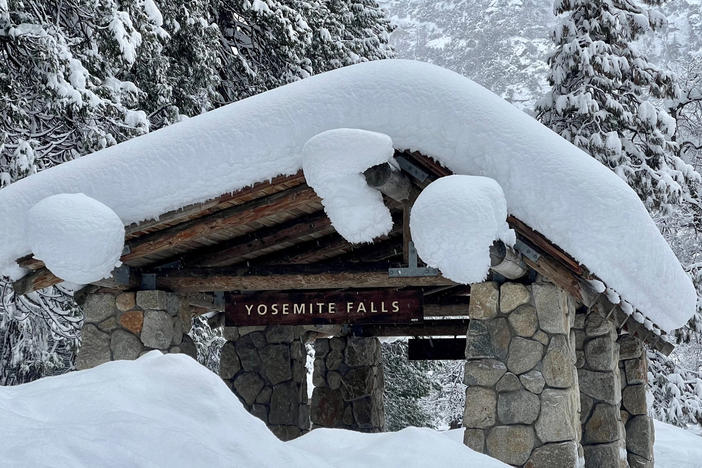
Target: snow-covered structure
x=310, y=187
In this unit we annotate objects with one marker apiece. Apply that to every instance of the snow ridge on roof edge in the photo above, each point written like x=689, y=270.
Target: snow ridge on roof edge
x=550, y=184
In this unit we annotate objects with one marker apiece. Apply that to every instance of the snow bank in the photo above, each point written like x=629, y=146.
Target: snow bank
x=333, y=163
x=676, y=448
x=548, y=183
x=167, y=410
x=79, y=239
x=455, y=220
x=410, y=447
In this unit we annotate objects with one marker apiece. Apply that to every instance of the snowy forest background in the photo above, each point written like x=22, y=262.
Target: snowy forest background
x=622, y=80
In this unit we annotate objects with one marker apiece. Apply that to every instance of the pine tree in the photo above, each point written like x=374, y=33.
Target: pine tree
x=600, y=98
x=347, y=32
x=406, y=383
x=81, y=75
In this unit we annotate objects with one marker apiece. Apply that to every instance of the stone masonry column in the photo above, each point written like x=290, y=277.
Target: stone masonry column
x=348, y=380
x=265, y=368
x=603, y=436
x=640, y=435
x=522, y=396
x=125, y=325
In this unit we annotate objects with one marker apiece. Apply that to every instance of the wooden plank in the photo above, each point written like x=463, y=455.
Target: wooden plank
x=34, y=281
x=558, y=274
x=451, y=306
x=423, y=349
x=204, y=280
x=540, y=241
x=323, y=308
x=457, y=327
x=241, y=214
x=198, y=209
x=247, y=246
x=30, y=263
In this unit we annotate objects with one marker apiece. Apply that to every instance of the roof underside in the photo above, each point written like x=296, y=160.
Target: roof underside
x=275, y=236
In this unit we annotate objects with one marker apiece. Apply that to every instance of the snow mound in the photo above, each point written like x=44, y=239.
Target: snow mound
x=78, y=238
x=455, y=220
x=333, y=163
x=167, y=410
x=410, y=447
x=548, y=183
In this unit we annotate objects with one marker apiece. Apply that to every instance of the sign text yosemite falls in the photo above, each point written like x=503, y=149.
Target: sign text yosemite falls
x=298, y=308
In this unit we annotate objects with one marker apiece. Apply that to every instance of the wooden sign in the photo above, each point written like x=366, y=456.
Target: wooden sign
x=323, y=307
x=421, y=349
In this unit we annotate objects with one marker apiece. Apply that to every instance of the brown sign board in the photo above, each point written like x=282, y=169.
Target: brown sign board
x=421, y=349
x=323, y=308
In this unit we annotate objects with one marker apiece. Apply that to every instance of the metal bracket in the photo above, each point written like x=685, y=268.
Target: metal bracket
x=527, y=250
x=411, y=169
x=121, y=274
x=412, y=271
x=219, y=299
x=148, y=281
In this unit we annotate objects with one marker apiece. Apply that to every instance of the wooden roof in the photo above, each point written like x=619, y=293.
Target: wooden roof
x=275, y=235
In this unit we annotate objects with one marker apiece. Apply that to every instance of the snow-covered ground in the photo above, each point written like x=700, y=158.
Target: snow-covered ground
x=674, y=447
x=167, y=410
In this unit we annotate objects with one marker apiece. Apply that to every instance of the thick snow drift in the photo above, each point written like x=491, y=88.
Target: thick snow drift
x=548, y=183
x=455, y=220
x=333, y=163
x=79, y=239
x=167, y=410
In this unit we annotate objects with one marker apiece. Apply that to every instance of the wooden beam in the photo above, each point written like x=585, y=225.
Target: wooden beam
x=121, y=278
x=240, y=214
x=203, y=280
x=39, y=279
x=558, y=274
x=313, y=251
x=457, y=327
x=257, y=243
x=30, y=263
x=200, y=209
x=540, y=241
x=447, y=306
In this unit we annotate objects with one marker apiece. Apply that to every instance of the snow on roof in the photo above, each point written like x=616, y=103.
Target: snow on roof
x=548, y=183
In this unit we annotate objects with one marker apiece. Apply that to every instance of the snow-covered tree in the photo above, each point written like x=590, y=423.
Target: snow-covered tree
x=601, y=98
x=347, y=32
x=81, y=75
x=500, y=44
x=406, y=383
x=676, y=391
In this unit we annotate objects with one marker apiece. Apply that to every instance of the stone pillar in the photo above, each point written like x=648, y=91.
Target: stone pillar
x=603, y=436
x=633, y=368
x=348, y=384
x=265, y=368
x=128, y=324
x=522, y=396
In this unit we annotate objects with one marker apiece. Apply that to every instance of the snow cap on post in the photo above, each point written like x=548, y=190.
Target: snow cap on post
x=455, y=220
x=333, y=163
x=78, y=238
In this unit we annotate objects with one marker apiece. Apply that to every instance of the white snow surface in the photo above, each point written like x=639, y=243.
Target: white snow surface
x=548, y=183
x=333, y=163
x=454, y=221
x=168, y=410
x=78, y=238
x=674, y=447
